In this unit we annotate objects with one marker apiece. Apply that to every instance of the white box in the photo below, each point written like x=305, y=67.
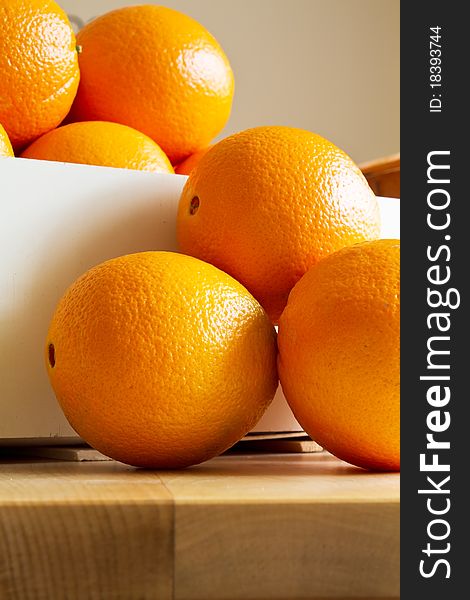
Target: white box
x=56, y=221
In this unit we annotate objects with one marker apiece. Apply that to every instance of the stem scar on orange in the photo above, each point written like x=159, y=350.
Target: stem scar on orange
x=273, y=201
x=161, y=360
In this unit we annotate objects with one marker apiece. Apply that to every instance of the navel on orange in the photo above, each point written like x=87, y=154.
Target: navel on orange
x=100, y=143
x=38, y=68
x=268, y=203
x=157, y=70
x=339, y=353
x=161, y=360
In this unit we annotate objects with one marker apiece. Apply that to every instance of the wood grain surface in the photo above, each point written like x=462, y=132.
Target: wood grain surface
x=241, y=526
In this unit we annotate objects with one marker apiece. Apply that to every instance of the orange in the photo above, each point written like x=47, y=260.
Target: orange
x=5, y=146
x=161, y=360
x=185, y=167
x=100, y=143
x=339, y=354
x=38, y=68
x=266, y=204
x=157, y=70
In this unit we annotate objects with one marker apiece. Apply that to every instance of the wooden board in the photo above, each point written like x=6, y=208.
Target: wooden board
x=293, y=442
x=254, y=442
x=74, y=453
x=241, y=526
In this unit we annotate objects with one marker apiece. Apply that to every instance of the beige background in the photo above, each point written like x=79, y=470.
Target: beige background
x=331, y=66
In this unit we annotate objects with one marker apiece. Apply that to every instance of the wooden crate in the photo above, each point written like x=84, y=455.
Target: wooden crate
x=383, y=175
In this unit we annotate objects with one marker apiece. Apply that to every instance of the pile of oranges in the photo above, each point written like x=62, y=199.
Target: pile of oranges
x=167, y=359
x=171, y=85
